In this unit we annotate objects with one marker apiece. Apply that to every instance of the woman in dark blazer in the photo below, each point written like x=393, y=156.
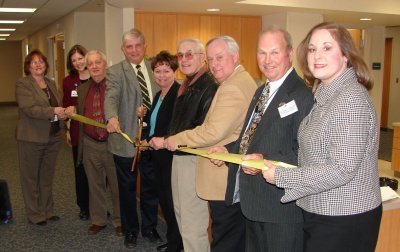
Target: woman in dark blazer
x=38, y=136
x=164, y=66
x=78, y=74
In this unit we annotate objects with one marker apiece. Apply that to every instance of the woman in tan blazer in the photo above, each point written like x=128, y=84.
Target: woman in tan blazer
x=38, y=136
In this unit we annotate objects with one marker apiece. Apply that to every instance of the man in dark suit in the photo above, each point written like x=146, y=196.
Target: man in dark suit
x=92, y=148
x=270, y=128
x=123, y=97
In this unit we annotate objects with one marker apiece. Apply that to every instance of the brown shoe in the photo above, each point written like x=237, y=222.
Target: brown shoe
x=94, y=229
x=118, y=231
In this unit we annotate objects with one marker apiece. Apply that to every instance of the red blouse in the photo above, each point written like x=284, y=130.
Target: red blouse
x=70, y=98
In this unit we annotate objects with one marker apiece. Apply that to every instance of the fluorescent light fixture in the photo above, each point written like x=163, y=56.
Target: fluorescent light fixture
x=4, y=35
x=365, y=19
x=213, y=10
x=11, y=21
x=2, y=38
x=17, y=9
x=7, y=29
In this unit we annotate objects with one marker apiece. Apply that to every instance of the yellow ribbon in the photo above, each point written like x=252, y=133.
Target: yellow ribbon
x=89, y=121
x=229, y=157
x=235, y=158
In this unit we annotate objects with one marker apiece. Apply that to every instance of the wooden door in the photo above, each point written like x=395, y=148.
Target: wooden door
x=387, y=66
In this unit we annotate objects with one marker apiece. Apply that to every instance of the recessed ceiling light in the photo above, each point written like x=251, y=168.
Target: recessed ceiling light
x=17, y=9
x=7, y=29
x=11, y=21
x=2, y=38
x=213, y=10
x=4, y=35
x=365, y=19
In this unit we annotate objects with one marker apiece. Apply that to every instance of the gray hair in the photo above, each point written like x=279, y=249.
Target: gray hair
x=276, y=29
x=91, y=52
x=230, y=42
x=199, y=47
x=134, y=33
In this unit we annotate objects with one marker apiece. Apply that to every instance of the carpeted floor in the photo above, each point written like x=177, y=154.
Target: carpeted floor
x=68, y=234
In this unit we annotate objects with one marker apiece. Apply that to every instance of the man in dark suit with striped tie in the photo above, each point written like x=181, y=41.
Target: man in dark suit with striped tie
x=130, y=84
x=272, y=131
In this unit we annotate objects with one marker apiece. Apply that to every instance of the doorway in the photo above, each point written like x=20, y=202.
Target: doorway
x=387, y=66
x=56, y=58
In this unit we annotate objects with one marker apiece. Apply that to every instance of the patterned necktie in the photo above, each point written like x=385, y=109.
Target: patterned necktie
x=143, y=87
x=98, y=114
x=257, y=114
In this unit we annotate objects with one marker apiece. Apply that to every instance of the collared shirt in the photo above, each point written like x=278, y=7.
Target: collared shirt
x=146, y=76
x=88, y=129
x=273, y=88
x=338, y=155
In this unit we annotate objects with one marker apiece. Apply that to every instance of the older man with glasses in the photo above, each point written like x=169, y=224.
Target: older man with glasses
x=191, y=106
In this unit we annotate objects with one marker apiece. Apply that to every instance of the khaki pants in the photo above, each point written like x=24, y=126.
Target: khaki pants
x=99, y=166
x=191, y=212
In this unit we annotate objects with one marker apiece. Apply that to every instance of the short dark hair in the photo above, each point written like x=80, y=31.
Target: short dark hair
x=28, y=60
x=75, y=49
x=164, y=57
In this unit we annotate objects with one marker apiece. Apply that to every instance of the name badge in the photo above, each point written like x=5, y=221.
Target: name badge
x=288, y=109
x=74, y=93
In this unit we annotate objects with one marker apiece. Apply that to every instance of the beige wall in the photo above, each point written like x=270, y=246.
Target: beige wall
x=394, y=101
x=10, y=69
x=89, y=31
x=114, y=29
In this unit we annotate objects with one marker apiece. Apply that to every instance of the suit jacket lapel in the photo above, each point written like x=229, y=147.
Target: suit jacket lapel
x=272, y=112
x=53, y=89
x=83, y=92
x=130, y=76
x=37, y=88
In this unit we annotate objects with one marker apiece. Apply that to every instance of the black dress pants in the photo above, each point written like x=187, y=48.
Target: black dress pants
x=127, y=194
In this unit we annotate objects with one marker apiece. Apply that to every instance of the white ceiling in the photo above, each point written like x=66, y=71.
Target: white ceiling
x=383, y=12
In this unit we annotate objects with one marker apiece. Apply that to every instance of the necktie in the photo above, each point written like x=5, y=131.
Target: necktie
x=257, y=114
x=143, y=87
x=98, y=114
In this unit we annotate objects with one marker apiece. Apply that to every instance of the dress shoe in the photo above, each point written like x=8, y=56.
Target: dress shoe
x=118, y=231
x=163, y=247
x=54, y=218
x=41, y=223
x=130, y=240
x=84, y=215
x=153, y=237
x=94, y=229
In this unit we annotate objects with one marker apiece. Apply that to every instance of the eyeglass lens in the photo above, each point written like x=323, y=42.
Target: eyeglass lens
x=188, y=55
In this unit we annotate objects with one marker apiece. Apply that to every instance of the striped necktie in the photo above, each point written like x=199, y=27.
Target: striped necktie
x=258, y=113
x=143, y=87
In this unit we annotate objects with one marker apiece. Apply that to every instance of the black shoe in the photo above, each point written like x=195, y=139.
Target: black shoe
x=163, y=247
x=130, y=240
x=54, y=218
x=41, y=223
x=84, y=215
x=153, y=237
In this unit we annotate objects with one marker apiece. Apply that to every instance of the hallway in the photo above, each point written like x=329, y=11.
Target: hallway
x=68, y=234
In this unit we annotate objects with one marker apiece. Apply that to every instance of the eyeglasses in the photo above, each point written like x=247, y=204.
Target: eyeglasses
x=36, y=63
x=188, y=55
x=94, y=63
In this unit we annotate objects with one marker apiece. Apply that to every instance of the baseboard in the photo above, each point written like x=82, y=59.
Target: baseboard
x=9, y=103
x=387, y=129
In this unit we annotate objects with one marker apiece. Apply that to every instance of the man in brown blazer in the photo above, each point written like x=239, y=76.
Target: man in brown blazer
x=92, y=148
x=221, y=126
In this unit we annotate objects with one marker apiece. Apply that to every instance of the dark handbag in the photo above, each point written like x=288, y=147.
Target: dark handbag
x=5, y=204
